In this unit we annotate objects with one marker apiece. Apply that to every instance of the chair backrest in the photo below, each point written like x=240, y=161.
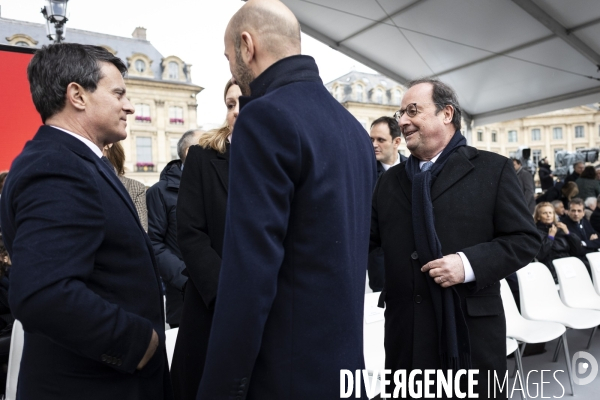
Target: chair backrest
x=511, y=346
x=170, y=340
x=537, y=291
x=511, y=312
x=373, y=333
x=14, y=360
x=594, y=259
x=576, y=287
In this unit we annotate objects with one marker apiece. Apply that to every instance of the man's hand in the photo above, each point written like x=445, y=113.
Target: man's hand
x=593, y=236
x=150, y=351
x=446, y=271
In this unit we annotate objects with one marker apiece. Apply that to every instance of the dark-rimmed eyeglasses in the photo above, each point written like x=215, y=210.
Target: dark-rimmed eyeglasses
x=410, y=110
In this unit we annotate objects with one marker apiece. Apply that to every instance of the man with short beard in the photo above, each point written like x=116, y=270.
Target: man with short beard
x=289, y=308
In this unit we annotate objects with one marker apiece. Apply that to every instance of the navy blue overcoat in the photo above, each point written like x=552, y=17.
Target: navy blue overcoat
x=84, y=281
x=289, y=309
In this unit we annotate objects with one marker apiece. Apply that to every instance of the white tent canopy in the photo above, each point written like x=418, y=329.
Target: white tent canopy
x=506, y=59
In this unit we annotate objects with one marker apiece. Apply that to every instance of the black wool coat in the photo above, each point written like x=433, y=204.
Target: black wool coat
x=200, y=230
x=479, y=210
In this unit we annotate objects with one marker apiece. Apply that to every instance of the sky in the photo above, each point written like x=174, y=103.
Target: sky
x=190, y=29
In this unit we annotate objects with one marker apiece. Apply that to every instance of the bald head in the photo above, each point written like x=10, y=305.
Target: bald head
x=271, y=23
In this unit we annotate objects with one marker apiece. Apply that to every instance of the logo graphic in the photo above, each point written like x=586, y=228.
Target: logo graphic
x=583, y=367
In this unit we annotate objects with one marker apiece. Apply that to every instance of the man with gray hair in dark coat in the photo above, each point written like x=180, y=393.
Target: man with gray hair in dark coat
x=161, y=200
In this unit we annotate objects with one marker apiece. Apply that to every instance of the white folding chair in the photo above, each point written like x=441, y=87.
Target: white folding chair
x=525, y=330
x=170, y=339
x=373, y=334
x=576, y=287
x=513, y=347
x=594, y=259
x=14, y=360
x=541, y=302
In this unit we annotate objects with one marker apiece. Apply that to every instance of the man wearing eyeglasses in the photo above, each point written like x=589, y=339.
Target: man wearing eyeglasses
x=452, y=223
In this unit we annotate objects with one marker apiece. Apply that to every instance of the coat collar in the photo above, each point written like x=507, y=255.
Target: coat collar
x=298, y=68
x=221, y=165
x=458, y=165
x=51, y=134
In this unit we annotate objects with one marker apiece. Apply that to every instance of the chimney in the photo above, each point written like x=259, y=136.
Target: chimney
x=139, y=33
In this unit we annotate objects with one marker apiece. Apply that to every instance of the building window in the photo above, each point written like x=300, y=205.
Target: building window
x=142, y=113
x=579, y=132
x=494, y=136
x=536, y=156
x=379, y=96
x=479, y=136
x=143, y=147
x=536, y=135
x=512, y=136
x=557, y=133
x=173, y=70
x=360, y=93
x=140, y=65
x=174, y=155
x=176, y=115
x=396, y=97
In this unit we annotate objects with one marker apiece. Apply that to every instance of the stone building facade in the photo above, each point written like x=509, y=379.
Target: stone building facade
x=370, y=96
x=159, y=87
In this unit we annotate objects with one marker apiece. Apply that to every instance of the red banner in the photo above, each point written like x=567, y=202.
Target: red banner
x=19, y=119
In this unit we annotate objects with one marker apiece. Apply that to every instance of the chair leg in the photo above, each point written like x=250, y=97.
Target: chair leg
x=568, y=361
x=522, y=350
x=519, y=363
x=558, y=346
x=591, y=336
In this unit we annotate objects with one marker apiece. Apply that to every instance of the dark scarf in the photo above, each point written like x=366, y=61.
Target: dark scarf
x=454, y=344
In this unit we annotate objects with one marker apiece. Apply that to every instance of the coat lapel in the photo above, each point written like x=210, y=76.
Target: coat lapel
x=405, y=183
x=457, y=166
x=221, y=164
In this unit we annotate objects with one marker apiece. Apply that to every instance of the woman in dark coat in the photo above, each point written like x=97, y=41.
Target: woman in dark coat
x=587, y=183
x=557, y=242
x=200, y=229
x=546, y=179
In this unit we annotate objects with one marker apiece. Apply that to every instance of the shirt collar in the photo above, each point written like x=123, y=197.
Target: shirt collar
x=86, y=141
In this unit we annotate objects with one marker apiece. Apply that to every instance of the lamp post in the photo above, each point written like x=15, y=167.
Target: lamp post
x=55, y=13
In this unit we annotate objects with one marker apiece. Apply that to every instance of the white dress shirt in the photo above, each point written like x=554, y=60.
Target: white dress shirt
x=86, y=141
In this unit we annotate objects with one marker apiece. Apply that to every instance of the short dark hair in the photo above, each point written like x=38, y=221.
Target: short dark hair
x=185, y=142
x=442, y=96
x=55, y=66
x=517, y=161
x=391, y=123
x=576, y=202
x=588, y=172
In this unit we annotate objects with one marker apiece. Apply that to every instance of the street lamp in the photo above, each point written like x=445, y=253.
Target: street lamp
x=55, y=13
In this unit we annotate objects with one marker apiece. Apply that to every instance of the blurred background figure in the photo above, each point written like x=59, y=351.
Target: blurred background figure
x=545, y=173
x=564, y=193
x=587, y=183
x=161, y=200
x=527, y=184
x=136, y=189
x=577, y=170
x=595, y=217
x=590, y=205
x=557, y=242
x=559, y=208
x=200, y=231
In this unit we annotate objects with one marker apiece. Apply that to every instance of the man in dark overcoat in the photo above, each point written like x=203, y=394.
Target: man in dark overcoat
x=289, y=309
x=84, y=280
x=452, y=222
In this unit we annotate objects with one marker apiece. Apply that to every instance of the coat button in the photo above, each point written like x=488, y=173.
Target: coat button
x=244, y=380
x=414, y=255
x=104, y=357
x=418, y=299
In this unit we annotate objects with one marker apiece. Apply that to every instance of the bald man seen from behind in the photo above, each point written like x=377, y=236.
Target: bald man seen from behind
x=289, y=309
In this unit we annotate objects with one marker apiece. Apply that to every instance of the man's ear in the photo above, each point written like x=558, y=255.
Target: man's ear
x=247, y=47
x=448, y=113
x=76, y=96
x=396, y=141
